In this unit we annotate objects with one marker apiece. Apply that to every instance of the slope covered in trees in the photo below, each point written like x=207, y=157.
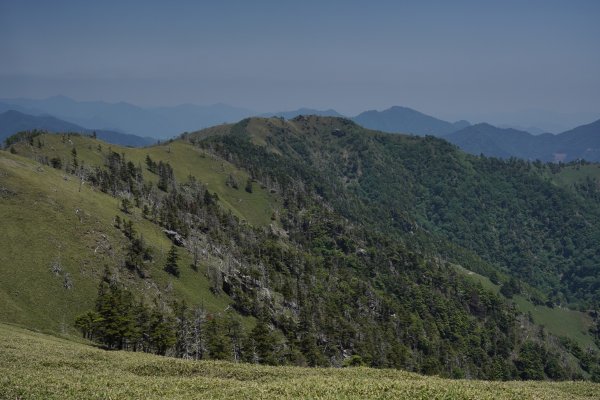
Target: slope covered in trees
x=508, y=212
x=321, y=281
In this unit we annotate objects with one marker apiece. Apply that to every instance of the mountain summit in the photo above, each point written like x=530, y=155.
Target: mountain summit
x=406, y=120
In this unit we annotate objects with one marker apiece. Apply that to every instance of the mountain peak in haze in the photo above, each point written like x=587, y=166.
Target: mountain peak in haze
x=398, y=119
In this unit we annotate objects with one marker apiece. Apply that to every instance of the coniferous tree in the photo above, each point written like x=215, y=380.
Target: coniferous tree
x=236, y=334
x=510, y=288
x=308, y=341
x=209, y=199
x=137, y=254
x=232, y=182
x=171, y=266
x=114, y=307
x=166, y=179
x=125, y=204
x=248, y=187
x=530, y=363
x=56, y=162
x=217, y=341
x=150, y=164
x=128, y=229
x=75, y=162
x=162, y=332
x=88, y=324
x=264, y=342
x=142, y=323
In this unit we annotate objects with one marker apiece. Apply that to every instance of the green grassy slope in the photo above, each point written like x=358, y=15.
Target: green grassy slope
x=557, y=321
x=572, y=174
x=256, y=207
x=37, y=366
x=48, y=221
x=560, y=321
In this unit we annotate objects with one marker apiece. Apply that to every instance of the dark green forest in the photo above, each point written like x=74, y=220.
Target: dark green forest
x=507, y=213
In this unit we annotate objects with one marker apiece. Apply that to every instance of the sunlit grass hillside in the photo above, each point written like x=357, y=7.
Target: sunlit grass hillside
x=37, y=366
x=57, y=238
x=186, y=160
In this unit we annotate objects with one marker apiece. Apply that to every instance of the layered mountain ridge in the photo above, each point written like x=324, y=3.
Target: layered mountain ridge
x=312, y=241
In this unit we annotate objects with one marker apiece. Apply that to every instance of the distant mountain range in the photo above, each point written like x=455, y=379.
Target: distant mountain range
x=166, y=122
x=497, y=142
x=536, y=121
x=395, y=119
x=406, y=120
x=534, y=130
x=12, y=121
x=582, y=142
x=114, y=119
x=159, y=122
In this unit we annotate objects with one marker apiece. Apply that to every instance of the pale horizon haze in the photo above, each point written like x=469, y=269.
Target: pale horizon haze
x=504, y=62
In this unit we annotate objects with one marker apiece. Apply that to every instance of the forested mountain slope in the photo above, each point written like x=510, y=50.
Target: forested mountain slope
x=323, y=257
x=510, y=213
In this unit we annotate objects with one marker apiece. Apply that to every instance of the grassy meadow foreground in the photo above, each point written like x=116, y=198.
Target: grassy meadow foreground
x=38, y=366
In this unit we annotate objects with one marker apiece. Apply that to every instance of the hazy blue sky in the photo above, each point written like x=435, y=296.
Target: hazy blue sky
x=448, y=58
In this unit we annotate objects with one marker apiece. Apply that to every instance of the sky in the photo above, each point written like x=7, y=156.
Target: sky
x=478, y=60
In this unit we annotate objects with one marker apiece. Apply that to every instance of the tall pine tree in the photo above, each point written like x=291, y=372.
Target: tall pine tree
x=171, y=266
